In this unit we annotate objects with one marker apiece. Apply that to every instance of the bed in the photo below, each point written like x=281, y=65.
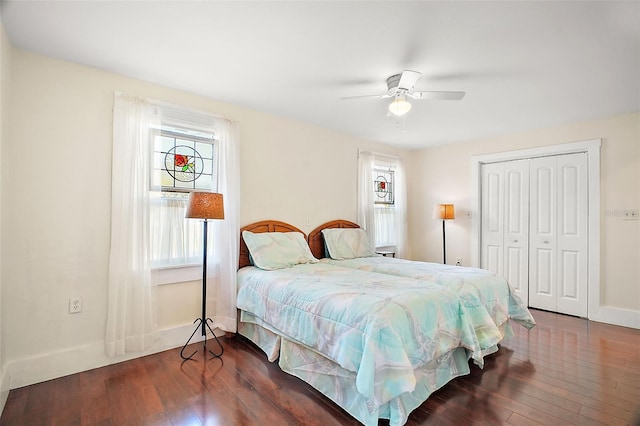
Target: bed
x=488, y=298
x=377, y=345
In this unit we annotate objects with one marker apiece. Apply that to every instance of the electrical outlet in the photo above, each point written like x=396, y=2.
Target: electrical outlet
x=459, y=261
x=631, y=214
x=75, y=305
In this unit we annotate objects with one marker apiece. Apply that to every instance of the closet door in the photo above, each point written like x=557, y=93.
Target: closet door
x=542, y=234
x=558, y=234
x=572, y=238
x=505, y=222
x=492, y=213
x=516, y=226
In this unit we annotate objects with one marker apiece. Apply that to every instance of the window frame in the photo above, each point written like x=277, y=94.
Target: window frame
x=191, y=270
x=382, y=208
x=190, y=135
x=379, y=171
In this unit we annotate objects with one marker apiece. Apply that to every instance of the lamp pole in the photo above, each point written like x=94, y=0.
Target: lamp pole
x=444, y=245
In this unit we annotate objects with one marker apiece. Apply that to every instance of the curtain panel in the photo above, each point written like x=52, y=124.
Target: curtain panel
x=174, y=240
x=131, y=314
x=223, y=241
x=365, y=195
x=400, y=222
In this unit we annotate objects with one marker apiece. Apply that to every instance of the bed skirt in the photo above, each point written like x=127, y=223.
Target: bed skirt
x=339, y=384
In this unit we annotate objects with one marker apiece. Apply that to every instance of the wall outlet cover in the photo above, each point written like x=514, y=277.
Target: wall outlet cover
x=75, y=305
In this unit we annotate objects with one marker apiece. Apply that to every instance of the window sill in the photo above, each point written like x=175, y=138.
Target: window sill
x=176, y=274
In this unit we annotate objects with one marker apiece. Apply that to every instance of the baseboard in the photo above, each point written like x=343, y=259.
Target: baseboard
x=616, y=316
x=52, y=365
x=4, y=386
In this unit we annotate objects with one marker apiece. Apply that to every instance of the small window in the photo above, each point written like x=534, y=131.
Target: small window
x=383, y=186
x=384, y=203
x=183, y=161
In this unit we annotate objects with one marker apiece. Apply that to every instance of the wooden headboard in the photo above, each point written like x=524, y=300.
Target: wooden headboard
x=316, y=241
x=258, y=227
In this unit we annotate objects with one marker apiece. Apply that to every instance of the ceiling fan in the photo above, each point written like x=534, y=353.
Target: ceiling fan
x=400, y=86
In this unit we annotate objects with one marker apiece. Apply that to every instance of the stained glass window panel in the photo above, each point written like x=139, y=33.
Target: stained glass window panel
x=383, y=186
x=182, y=162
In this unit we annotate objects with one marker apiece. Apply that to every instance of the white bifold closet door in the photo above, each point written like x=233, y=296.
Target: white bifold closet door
x=534, y=229
x=558, y=234
x=505, y=222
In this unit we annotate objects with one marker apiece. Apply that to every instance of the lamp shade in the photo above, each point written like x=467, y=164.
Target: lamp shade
x=399, y=106
x=444, y=211
x=205, y=205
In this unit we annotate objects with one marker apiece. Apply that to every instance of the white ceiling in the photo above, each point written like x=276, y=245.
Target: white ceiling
x=523, y=64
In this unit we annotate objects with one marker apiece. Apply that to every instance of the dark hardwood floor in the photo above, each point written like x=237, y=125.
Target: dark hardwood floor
x=566, y=371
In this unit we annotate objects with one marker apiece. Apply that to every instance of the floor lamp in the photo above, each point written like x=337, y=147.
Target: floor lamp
x=444, y=212
x=204, y=205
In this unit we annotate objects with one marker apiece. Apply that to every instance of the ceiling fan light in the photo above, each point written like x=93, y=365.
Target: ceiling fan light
x=399, y=107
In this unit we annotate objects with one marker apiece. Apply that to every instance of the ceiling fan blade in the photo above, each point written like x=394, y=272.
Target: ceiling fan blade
x=434, y=95
x=382, y=95
x=408, y=79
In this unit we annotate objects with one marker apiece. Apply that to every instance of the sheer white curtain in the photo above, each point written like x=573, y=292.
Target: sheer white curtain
x=385, y=220
x=400, y=219
x=174, y=240
x=366, y=162
x=131, y=318
x=223, y=241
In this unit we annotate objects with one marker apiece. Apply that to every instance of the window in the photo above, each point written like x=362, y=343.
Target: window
x=183, y=161
x=382, y=201
x=383, y=186
x=384, y=204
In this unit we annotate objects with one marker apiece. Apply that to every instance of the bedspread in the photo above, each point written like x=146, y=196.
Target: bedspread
x=488, y=297
x=380, y=327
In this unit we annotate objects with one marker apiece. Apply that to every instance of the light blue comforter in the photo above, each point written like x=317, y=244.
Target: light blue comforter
x=487, y=297
x=380, y=327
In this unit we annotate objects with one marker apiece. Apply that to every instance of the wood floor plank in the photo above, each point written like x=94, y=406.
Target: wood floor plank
x=565, y=371
x=518, y=420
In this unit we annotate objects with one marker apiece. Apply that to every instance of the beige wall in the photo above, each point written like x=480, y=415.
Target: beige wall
x=5, y=56
x=57, y=195
x=443, y=174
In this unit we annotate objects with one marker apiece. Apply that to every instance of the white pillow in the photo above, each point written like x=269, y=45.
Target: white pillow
x=277, y=250
x=347, y=243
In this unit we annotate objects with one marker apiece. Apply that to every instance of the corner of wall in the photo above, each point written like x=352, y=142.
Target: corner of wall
x=5, y=380
x=616, y=316
x=5, y=57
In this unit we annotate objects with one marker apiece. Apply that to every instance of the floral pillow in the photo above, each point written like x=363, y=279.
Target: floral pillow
x=277, y=250
x=347, y=243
